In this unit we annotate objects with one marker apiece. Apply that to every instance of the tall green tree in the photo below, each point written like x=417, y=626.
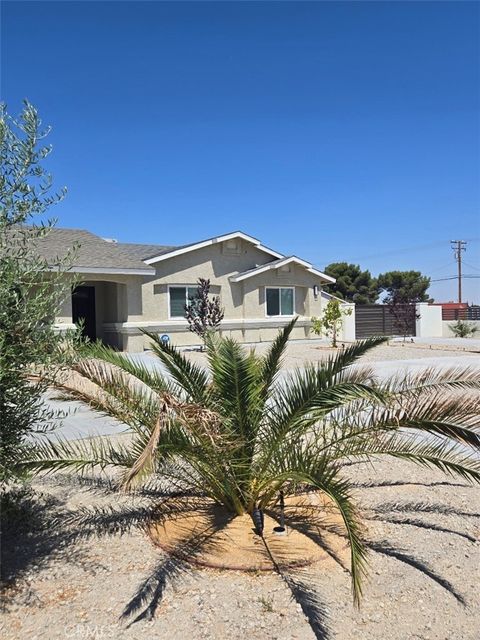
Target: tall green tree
x=352, y=284
x=404, y=287
x=31, y=290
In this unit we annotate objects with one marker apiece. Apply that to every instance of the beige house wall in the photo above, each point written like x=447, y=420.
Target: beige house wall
x=244, y=302
x=127, y=304
x=214, y=263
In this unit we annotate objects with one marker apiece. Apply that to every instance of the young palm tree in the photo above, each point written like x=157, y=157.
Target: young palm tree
x=242, y=431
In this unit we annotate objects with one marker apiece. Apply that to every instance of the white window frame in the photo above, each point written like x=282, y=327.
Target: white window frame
x=289, y=315
x=179, y=286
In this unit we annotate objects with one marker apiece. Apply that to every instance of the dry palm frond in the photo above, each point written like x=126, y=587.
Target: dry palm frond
x=145, y=463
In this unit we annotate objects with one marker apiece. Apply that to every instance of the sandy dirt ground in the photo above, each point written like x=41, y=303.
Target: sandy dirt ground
x=423, y=582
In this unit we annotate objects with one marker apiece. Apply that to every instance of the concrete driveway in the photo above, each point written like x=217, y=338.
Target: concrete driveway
x=82, y=422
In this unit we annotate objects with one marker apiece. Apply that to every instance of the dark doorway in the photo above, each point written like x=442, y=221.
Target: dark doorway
x=83, y=307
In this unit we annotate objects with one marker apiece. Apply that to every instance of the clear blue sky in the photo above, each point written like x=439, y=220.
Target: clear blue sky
x=329, y=130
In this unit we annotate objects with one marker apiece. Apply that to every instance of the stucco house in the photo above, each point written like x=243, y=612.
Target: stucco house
x=129, y=287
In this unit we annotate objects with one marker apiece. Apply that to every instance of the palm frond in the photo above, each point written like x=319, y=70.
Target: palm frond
x=150, y=376
x=318, y=475
x=450, y=416
x=348, y=356
x=272, y=361
x=434, y=379
x=236, y=389
x=304, y=406
x=451, y=458
x=113, y=393
x=190, y=377
x=339, y=491
x=307, y=390
x=144, y=464
x=81, y=455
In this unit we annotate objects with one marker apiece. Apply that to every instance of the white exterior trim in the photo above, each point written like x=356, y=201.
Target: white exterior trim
x=108, y=271
x=329, y=296
x=320, y=274
x=134, y=328
x=267, y=286
x=207, y=243
x=277, y=265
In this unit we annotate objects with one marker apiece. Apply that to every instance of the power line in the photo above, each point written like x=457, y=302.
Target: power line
x=444, y=266
x=393, y=252
x=467, y=276
x=471, y=266
x=458, y=246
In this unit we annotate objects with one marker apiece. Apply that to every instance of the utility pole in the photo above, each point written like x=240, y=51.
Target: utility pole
x=458, y=246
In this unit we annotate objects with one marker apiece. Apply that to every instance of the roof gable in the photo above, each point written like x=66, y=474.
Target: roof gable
x=276, y=264
x=210, y=241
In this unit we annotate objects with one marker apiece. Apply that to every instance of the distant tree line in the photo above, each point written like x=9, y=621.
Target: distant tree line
x=393, y=287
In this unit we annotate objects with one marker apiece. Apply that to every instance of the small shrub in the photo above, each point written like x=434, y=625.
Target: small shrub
x=331, y=320
x=463, y=329
x=204, y=314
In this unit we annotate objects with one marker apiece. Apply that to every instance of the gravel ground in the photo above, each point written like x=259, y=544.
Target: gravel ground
x=299, y=352
x=79, y=590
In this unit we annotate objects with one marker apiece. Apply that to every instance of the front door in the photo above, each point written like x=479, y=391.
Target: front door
x=83, y=308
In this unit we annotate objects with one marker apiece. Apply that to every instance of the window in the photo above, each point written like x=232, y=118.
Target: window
x=279, y=301
x=179, y=298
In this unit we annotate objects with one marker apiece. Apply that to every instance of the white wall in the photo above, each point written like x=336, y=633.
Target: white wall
x=348, y=324
x=429, y=322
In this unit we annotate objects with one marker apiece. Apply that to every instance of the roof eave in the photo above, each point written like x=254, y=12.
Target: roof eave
x=108, y=271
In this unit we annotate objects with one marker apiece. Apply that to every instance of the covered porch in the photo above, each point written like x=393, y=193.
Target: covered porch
x=101, y=306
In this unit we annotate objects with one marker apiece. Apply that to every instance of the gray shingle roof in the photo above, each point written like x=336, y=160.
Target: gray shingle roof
x=102, y=254
x=93, y=251
x=144, y=251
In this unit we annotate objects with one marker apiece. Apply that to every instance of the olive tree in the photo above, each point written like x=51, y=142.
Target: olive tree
x=31, y=290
